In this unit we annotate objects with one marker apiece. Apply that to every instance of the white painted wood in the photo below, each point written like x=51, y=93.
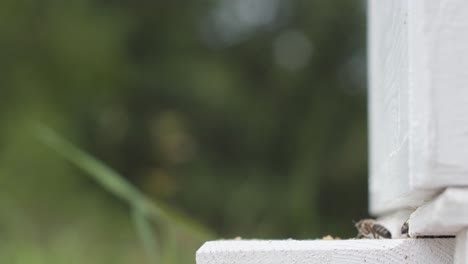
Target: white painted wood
x=445, y=215
x=418, y=61
x=461, y=247
x=370, y=251
x=438, y=59
x=388, y=93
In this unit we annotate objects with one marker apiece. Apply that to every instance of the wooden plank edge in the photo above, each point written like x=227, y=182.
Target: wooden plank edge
x=370, y=251
x=446, y=215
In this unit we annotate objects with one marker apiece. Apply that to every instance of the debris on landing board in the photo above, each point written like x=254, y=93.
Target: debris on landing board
x=328, y=237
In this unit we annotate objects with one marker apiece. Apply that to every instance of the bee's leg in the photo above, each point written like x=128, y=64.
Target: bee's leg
x=374, y=235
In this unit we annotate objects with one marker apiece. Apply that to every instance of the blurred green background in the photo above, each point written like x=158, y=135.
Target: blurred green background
x=247, y=117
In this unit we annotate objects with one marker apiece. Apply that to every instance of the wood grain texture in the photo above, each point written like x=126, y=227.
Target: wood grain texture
x=445, y=215
x=388, y=105
x=384, y=251
x=438, y=82
x=418, y=103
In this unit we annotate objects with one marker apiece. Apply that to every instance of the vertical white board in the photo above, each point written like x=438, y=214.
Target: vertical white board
x=388, y=101
x=418, y=100
x=438, y=82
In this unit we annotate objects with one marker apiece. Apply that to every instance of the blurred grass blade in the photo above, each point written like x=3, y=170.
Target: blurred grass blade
x=101, y=173
x=116, y=184
x=146, y=234
x=169, y=253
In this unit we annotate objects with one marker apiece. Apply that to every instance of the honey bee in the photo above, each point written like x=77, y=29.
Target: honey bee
x=371, y=229
x=405, y=229
x=405, y=232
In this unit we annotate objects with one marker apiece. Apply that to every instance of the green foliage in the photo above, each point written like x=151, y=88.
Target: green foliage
x=146, y=233
x=143, y=209
x=248, y=118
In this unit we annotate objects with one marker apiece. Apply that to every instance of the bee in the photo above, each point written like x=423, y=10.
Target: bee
x=405, y=229
x=371, y=229
x=405, y=232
